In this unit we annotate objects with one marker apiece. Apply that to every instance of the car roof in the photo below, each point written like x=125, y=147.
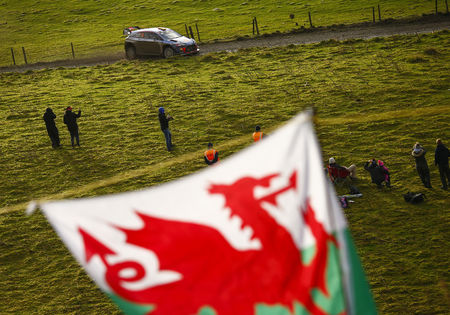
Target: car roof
x=152, y=29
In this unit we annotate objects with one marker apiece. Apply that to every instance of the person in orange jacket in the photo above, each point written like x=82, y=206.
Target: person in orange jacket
x=211, y=156
x=257, y=135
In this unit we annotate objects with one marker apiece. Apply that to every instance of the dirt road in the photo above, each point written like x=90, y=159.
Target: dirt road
x=343, y=33
x=359, y=31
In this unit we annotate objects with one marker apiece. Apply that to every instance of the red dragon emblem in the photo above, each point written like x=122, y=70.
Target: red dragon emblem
x=214, y=273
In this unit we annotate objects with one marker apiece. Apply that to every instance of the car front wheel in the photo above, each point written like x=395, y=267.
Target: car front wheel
x=168, y=52
x=131, y=52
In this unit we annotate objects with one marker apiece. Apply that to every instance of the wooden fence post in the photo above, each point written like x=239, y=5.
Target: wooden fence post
x=310, y=20
x=373, y=14
x=256, y=26
x=435, y=6
x=446, y=6
x=198, y=33
x=192, y=33
x=12, y=53
x=187, y=33
x=379, y=13
x=253, y=22
x=73, y=52
x=24, y=55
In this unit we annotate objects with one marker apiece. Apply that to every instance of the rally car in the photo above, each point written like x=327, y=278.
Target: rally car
x=160, y=41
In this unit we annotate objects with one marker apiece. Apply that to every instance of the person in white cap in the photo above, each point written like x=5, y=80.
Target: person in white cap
x=351, y=169
x=418, y=153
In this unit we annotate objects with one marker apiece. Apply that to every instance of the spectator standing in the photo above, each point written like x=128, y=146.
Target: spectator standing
x=418, y=153
x=441, y=160
x=164, y=122
x=70, y=119
x=211, y=156
x=258, y=134
x=49, y=118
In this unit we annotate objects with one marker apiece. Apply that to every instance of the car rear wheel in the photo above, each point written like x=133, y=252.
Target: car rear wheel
x=131, y=52
x=168, y=52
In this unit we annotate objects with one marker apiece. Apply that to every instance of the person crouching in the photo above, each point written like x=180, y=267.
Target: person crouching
x=211, y=156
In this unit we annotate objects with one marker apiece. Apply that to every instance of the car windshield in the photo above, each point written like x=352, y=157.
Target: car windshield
x=169, y=34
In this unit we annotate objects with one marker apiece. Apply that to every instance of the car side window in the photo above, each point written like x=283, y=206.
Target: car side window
x=151, y=36
x=157, y=37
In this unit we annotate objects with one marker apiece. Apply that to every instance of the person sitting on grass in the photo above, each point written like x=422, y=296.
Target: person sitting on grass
x=211, y=156
x=336, y=171
x=258, y=134
x=385, y=170
x=377, y=174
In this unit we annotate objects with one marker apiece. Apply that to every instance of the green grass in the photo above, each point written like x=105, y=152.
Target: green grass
x=374, y=99
x=46, y=28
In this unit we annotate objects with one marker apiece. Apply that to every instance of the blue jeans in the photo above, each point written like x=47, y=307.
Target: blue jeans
x=168, y=137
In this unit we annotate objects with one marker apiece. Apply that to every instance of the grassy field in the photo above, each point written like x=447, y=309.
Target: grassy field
x=46, y=28
x=374, y=99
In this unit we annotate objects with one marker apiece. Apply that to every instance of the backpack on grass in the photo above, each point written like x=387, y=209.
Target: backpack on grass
x=344, y=202
x=414, y=198
x=354, y=190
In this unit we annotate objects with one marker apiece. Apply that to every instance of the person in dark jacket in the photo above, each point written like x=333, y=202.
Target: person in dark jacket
x=418, y=153
x=70, y=119
x=164, y=122
x=376, y=172
x=441, y=160
x=49, y=118
x=371, y=164
x=387, y=175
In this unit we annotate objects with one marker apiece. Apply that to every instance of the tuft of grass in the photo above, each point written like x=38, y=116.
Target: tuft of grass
x=371, y=103
x=431, y=51
x=417, y=59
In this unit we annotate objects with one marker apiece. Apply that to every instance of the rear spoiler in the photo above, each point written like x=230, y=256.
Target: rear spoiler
x=127, y=31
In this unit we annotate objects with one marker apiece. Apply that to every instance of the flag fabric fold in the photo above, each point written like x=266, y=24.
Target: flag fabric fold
x=260, y=233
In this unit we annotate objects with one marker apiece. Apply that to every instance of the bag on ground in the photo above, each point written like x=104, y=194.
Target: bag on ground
x=414, y=198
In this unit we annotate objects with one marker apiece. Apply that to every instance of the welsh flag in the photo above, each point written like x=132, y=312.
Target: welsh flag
x=260, y=233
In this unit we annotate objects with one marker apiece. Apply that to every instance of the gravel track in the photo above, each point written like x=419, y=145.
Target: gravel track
x=356, y=31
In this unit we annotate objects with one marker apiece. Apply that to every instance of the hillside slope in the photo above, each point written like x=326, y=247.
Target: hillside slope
x=374, y=98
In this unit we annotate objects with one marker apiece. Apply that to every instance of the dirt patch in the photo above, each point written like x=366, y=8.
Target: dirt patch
x=425, y=24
